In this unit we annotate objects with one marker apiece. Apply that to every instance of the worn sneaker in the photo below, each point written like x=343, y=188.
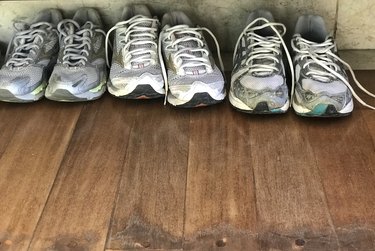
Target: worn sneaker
x=258, y=83
x=30, y=58
x=135, y=71
x=322, y=87
x=80, y=72
x=192, y=77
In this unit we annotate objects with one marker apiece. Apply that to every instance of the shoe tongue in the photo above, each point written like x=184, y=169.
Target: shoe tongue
x=191, y=44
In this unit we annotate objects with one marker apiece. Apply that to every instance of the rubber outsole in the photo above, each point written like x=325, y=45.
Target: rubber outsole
x=330, y=112
x=199, y=100
x=261, y=108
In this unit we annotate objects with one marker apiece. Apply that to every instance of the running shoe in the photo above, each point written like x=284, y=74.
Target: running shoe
x=258, y=83
x=322, y=86
x=80, y=72
x=135, y=72
x=30, y=58
x=192, y=77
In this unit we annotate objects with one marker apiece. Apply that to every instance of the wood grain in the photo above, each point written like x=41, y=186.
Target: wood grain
x=367, y=80
x=150, y=207
x=79, y=209
x=33, y=141
x=291, y=208
x=220, y=202
x=345, y=154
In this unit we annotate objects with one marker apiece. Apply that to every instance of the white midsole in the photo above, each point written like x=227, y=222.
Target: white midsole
x=242, y=106
x=129, y=88
x=177, y=96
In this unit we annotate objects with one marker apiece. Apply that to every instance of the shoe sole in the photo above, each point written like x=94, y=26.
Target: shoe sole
x=35, y=95
x=260, y=108
x=64, y=95
x=198, y=100
x=140, y=92
x=323, y=110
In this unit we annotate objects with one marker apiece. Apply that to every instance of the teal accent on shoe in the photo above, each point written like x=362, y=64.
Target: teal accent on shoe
x=319, y=109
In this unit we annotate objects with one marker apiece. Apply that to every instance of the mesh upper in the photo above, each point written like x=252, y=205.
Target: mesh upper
x=86, y=77
x=334, y=87
x=260, y=83
x=215, y=77
x=117, y=71
x=24, y=79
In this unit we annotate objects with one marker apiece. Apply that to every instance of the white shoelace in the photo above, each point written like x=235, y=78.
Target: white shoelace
x=77, y=41
x=264, y=48
x=137, y=40
x=27, y=42
x=322, y=55
x=188, y=55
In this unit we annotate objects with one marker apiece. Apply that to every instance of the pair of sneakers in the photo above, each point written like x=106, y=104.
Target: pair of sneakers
x=176, y=63
x=62, y=59
x=320, y=87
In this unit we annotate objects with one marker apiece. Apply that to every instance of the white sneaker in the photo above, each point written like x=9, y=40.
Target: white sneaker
x=258, y=83
x=135, y=71
x=30, y=58
x=192, y=77
x=322, y=86
x=80, y=73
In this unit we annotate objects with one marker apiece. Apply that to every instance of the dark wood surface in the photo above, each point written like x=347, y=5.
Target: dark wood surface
x=124, y=175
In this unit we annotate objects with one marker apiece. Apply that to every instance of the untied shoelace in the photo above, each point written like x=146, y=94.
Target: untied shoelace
x=322, y=54
x=264, y=47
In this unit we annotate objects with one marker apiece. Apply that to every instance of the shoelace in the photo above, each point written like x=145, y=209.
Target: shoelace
x=264, y=47
x=189, y=55
x=322, y=55
x=135, y=39
x=77, y=41
x=26, y=43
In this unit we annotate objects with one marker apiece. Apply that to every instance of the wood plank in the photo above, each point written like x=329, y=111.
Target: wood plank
x=33, y=141
x=220, y=202
x=367, y=80
x=147, y=249
x=78, y=211
x=150, y=207
x=291, y=207
x=345, y=154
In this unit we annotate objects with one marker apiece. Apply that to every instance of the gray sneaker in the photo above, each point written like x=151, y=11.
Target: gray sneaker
x=135, y=71
x=322, y=86
x=318, y=93
x=30, y=57
x=258, y=83
x=192, y=77
x=80, y=72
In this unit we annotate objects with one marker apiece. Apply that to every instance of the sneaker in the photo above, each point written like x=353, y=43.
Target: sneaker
x=258, y=83
x=30, y=57
x=80, y=72
x=192, y=77
x=135, y=71
x=322, y=86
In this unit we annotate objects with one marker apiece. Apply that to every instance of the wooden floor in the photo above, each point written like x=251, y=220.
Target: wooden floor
x=122, y=175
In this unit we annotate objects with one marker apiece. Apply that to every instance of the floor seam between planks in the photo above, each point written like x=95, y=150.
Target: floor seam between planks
x=106, y=243
x=57, y=174
x=367, y=126
x=186, y=185
x=330, y=219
